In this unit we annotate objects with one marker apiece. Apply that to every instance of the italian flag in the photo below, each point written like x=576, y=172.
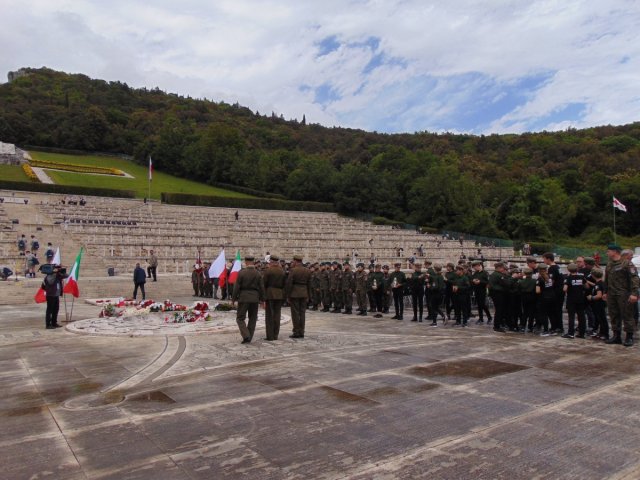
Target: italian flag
x=237, y=265
x=72, y=282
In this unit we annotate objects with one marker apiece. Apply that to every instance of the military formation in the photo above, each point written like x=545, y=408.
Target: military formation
x=533, y=299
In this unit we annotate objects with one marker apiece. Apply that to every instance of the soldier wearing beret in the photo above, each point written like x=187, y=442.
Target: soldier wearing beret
x=248, y=291
x=398, y=281
x=274, y=282
x=527, y=289
x=297, y=291
x=316, y=295
x=436, y=287
x=386, y=295
x=417, y=283
x=324, y=286
x=460, y=289
x=335, y=282
x=621, y=284
x=377, y=288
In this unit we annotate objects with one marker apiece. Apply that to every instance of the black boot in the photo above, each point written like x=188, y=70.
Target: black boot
x=615, y=340
x=628, y=341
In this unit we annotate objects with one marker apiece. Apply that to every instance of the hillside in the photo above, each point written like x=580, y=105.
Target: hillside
x=534, y=186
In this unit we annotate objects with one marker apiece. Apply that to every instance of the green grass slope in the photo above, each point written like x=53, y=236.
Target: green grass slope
x=161, y=181
x=13, y=173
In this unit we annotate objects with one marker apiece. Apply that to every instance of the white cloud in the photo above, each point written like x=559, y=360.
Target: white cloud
x=456, y=65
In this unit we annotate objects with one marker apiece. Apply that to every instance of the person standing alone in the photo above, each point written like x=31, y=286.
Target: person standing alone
x=139, y=279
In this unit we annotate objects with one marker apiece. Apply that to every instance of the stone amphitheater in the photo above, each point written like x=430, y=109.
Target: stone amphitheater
x=117, y=233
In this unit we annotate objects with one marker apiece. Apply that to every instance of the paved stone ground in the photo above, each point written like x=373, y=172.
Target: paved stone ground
x=359, y=398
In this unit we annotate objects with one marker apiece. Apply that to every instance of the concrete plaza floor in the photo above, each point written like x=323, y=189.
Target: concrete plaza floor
x=358, y=398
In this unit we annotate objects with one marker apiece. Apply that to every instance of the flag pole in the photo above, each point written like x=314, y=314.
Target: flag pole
x=73, y=299
x=614, y=219
x=66, y=315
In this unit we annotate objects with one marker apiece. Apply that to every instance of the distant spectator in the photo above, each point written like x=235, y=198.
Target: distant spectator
x=153, y=266
x=237, y=215
x=35, y=244
x=5, y=272
x=22, y=245
x=49, y=250
x=31, y=262
x=83, y=202
x=139, y=279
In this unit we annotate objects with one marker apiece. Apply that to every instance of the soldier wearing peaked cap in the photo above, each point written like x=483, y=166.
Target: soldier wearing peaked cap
x=297, y=291
x=274, y=283
x=248, y=291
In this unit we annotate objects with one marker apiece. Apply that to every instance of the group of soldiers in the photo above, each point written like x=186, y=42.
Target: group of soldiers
x=530, y=299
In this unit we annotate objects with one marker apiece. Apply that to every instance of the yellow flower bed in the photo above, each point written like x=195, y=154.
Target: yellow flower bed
x=30, y=173
x=76, y=168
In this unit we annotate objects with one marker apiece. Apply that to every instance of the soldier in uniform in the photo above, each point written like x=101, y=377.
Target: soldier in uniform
x=621, y=284
x=449, y=276
x=196, y=279
x=417, y=282
x=207, y=285
x=370, y=297
x=398, y=281
x=377, y=288
x=348, y=285
x=335, y=282
x=324, y=286
x=497, y=292
x=316, y=295
x=248, y=291
x=479, y=282
x=527, y=290
x=361, y=289
x=297, y=291
x=274, y=281
x=428, y=266
x=386, y=294
x=460, y=290
x=436, y=286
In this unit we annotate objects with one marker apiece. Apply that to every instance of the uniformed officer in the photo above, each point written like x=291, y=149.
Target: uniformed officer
x=479, y=282
x=316, y=295
x=336, y=284
x=348, y=285
x=248, y=291
x=386, y=294
x=208, y=286
x=297, y=291
x=449, y=276
x=273, y=279
x=398, y=281
x=361, y=289
x=621, y=284
x=197, y=279
x=436, y=286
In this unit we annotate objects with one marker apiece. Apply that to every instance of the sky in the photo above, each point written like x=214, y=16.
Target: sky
x=474, y=66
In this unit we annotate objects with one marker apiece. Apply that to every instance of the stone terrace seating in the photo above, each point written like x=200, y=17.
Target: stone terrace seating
x=121, y=232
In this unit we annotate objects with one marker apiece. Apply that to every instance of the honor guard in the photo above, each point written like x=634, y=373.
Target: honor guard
x=348, y=285
x=274, y=282
x=398, y=281
x=248, y=291
x=297, y=291
x=361, y=289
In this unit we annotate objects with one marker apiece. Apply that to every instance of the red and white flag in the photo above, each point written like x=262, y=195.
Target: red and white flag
x=237, y=266
x=218, y=269
x=150, y=168
x=72, y=282
x=618, y=204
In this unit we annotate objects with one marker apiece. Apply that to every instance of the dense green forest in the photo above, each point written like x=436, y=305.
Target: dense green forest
x=545, y=186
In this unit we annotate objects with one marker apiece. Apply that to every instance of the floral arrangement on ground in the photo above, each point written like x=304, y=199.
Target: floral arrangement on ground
x=127, y=308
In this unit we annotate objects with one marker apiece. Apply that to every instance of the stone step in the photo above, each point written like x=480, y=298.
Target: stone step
x=21, y=292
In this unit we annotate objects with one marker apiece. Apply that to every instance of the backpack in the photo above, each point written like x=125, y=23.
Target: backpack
x=35, y=245
x=22, y=243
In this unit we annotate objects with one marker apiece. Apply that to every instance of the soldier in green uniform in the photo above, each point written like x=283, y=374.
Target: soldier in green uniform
x=208, y=286
x=273, y=279
x=196, y=279
x=428, y=267
x=436, y=287
x=386, y=292
x=335, y=282
x=377, y=287
x=324, y=286
x=348, y=285
x=621, y=284
x=417, y=283
x=297, y=291
x=316, y=295
x=479, y=282
x=449, y=276
x=460, y=290
x=361, y=289
x=248, y=291
x=370, y=296
x=398, y=281
x=497, y=292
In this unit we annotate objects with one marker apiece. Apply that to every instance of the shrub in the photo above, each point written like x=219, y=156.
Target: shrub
x=30, y=173
x=67, y=189
x=257, y=203
x=76, y=168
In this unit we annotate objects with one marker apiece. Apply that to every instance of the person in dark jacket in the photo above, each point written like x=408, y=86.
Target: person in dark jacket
x=139, y=279
x=52, y=285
